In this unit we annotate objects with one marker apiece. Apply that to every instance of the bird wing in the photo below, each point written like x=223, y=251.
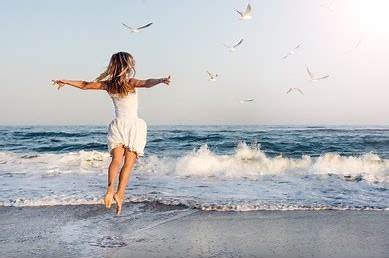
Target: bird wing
x=287, y=55
x=128, y=27
x=309, y=73
x=298, y=46
x=240, y=13
x=299, y=90
x=209, y=74
x=240, y=42
x=358, y=43
x=323, y=77
x=289, y=91
x=248, y=9
x=145, y=26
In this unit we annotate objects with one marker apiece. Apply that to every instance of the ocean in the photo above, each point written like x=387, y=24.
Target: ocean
x=216, y=168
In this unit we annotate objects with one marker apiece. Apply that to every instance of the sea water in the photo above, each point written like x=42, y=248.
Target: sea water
x=222, y=168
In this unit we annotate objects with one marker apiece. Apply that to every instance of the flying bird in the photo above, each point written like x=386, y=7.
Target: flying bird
x=212, y=77
x=295, y=89
x=136, y=30
x=246, y=14
x=312, y=78
x=356, y=45
x=233, y=48
x=292, y=52
x=328, y=5
x=246, y=101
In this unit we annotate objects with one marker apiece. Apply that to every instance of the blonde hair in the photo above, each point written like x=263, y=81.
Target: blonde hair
x=116, y=77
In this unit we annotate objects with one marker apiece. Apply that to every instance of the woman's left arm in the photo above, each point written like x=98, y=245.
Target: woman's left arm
x=149, y=82
x=83, y=85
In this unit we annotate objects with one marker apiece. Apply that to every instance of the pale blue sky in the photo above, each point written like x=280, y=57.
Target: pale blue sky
x=43, y=40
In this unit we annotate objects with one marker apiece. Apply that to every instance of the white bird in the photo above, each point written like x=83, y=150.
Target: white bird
x=358, y=43
x=233, y=48
x=292, y=52
x=212, y=77
x=312, y=78
x=136, y=30
x=246, y=101
x=295, y=89
x=328, y=5
x=246, y=14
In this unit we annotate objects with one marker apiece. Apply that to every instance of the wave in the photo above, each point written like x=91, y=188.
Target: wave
x=248, y=162
x=187, y=203
x=251, y=162
x=81, y=162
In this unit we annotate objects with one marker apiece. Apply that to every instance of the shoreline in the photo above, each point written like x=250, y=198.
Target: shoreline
x=155, y=230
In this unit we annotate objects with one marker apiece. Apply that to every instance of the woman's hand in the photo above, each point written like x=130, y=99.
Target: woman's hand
x=166, y=80
x=58, y=83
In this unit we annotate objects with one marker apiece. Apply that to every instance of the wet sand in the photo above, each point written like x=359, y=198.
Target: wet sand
x=145, y=230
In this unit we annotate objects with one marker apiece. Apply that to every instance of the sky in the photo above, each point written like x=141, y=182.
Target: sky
x=43, y=40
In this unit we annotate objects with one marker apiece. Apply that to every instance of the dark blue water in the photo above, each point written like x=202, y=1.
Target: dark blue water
x=206, y=167
x=274, y=140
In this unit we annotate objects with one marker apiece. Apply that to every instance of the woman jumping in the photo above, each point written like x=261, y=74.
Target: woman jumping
x=127, y=132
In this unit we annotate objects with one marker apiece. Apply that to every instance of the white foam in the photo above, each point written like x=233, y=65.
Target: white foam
x=54, y=164
x=251, y=162
x=246, y=162
x=190, y=203
x=51, y=201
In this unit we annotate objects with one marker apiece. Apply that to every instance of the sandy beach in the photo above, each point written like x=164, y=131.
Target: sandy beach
x=145, y=230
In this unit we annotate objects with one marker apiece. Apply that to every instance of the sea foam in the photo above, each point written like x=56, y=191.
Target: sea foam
x=248, y=162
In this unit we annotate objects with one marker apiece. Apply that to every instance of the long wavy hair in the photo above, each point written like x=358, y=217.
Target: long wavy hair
x=116, y=77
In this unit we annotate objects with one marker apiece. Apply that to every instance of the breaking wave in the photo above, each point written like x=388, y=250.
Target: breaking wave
x=248, y=162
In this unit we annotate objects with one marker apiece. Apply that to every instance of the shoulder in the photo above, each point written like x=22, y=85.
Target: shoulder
x=103, y=85
x=135, y=83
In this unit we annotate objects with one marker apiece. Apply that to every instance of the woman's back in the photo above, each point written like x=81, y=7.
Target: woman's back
x=126, y=108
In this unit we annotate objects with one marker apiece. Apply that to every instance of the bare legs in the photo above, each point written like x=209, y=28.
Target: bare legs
x=125, y=172
x=117, y=156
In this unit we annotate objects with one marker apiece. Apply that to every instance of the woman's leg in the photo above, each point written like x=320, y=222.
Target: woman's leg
x=130, y=158
x=113, y=169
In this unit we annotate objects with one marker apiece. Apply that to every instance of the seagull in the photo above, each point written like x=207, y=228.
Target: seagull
x=295, y=89
x=212, y=77
x=292, y=52
x=233, y=48
x=246, y=14
x=358, y=43
x=246, y=101
x=328, y=5
x=136, y=30
x=315, y=79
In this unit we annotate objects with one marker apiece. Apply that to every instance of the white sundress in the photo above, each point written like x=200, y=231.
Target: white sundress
x=127, y=129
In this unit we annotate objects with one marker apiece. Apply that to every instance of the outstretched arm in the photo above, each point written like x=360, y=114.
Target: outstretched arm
x=83, y=85
x=150, y=82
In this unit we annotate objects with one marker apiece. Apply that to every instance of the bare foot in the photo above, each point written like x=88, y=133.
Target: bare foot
x=108, y=199
x=119, y=202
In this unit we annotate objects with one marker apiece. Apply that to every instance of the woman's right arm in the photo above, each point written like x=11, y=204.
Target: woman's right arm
x=83, y=85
